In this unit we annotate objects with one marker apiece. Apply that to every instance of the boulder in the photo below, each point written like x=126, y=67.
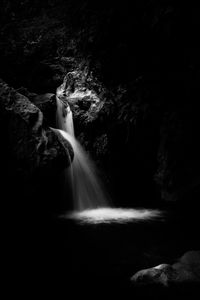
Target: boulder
x=185, y=271
x=47, y=104
x=78, y=90
x=27, y=143
x=33, y=158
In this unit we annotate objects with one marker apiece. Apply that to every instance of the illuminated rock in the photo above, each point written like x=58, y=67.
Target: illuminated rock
x=185, y=271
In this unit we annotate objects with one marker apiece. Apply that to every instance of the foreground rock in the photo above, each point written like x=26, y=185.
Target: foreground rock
x=185, y=271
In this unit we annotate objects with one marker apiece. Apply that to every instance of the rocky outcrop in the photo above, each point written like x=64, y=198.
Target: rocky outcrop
x=185, y=271
x=45, y=102
x=87, y=99
x=32, y=155
x=78, y=90
x=28, y=142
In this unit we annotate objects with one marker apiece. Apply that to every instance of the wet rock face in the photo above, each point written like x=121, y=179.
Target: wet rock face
x=86, y=98
x=185, y=270
x=31, y=153
x=29, y=143
x=78, y=90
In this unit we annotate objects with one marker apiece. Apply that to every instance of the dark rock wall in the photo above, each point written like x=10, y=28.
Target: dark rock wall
x=146, y=58
x=32, y=156
x=141, y=59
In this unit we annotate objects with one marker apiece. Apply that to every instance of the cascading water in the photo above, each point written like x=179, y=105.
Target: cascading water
x=87, y=189
x=64, y=118
x=90, y=201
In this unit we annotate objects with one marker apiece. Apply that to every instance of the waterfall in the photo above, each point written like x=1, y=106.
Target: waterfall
x=64, y=118
x=87, y=189
x=90, y=201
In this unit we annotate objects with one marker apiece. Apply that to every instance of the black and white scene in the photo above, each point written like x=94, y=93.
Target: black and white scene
x=100, y=149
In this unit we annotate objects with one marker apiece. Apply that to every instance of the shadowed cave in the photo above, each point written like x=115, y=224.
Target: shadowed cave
x=99, y=115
